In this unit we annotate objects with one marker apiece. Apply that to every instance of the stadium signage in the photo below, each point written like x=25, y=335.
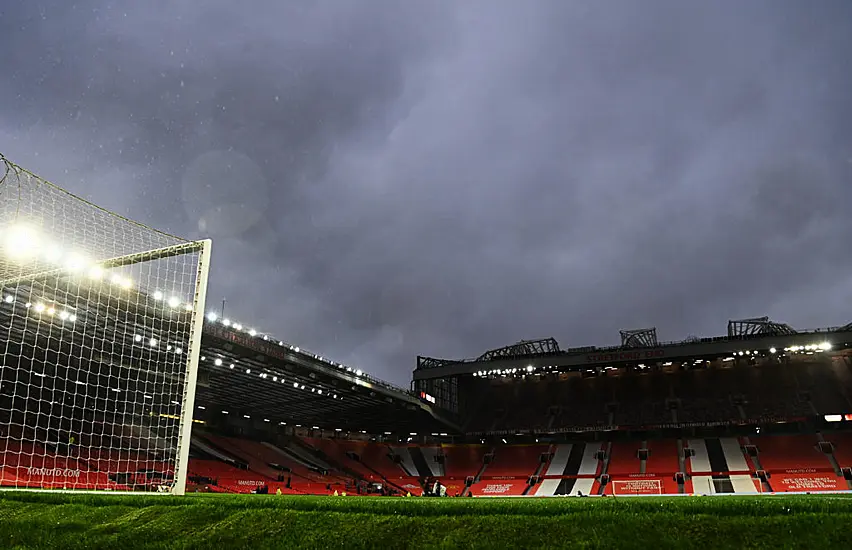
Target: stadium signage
x=496, y=489
x=53, y=472
x=809, y=483
x=637, y=487
x=617, y=356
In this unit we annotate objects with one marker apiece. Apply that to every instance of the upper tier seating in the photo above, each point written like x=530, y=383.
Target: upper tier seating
x=768, y=392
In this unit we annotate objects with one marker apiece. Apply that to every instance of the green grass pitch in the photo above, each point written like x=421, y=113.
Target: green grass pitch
x=224, y=522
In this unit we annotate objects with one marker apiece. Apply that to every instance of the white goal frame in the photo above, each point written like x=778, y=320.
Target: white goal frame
x=86, y=236
x=191, y=380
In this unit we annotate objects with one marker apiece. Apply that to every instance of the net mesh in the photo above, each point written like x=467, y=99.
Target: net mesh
x=97, y=315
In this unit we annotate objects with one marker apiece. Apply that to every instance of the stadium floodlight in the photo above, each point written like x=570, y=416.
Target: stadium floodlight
x=88, y=385
x=76, y=262
x=825, y=346
x=20, y=242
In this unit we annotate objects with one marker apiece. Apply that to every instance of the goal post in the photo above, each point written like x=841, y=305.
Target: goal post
x=188, y=402
x=100, y=333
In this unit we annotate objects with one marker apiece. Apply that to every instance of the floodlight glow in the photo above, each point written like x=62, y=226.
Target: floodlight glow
x=53, y=254
x=51, y=310
x=174, y=302
x=825, y=346
x=137, y=338
x=153, y=342
x=212, y=317
x=218, y=362
x=252, y=332
x=96, y=272
x=179, y=351
x=39, y=307
x=238, y=326
x=75, y=262
x=72, y=318
x=9, y=299
x=226, y=322
x=358, y=372
x=187, y=307
x=21, y=242
x=772, y=350
x=158, y=295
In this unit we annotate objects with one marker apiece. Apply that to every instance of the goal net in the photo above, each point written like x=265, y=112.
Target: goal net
x=100, y=329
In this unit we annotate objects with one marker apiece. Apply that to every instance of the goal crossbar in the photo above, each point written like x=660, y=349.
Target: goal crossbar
x=119, y=261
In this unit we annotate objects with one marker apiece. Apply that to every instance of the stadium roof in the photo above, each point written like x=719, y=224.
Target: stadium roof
x=255, y=378
x=269, y=381
x=638, y=346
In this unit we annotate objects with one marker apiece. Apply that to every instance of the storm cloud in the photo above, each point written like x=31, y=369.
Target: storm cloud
x=384, y=179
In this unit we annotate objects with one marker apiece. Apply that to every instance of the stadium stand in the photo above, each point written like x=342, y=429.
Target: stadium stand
x=463, y=461
x=790, y=453
x=518, y=461
x=623, y=458
x=841, y=445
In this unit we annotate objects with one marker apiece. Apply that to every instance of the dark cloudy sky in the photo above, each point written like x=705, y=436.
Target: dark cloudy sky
x=390, y=178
